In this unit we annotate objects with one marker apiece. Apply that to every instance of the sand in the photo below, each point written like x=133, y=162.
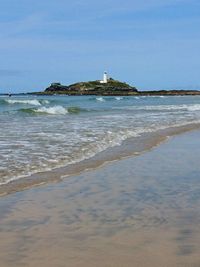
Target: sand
x=138, y=211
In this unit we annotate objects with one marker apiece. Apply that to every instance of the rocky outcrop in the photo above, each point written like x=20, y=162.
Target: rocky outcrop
x=112, y=87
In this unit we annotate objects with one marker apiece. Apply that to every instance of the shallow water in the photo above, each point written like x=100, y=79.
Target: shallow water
x=141, y=211
x=47, y=132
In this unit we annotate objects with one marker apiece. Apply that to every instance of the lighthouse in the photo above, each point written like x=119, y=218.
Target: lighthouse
x=105, y=78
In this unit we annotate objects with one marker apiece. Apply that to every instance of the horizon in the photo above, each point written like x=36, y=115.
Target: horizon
x=152, y=46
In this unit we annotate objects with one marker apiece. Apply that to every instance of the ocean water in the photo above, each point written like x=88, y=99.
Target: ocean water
x=40, y=133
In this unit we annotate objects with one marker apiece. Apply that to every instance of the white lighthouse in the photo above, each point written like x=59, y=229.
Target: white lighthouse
x=105, y=78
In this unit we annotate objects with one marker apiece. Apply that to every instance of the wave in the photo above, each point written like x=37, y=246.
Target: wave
x=101, y=99
x=194, y=107
x=75, y=110
x=60, y=110
x=33, y=102
x=184, y=107
x=45, y=101
x=108, y=98
x=54, y=110
x=109, y=140
x=190, y=107
x=118, y=98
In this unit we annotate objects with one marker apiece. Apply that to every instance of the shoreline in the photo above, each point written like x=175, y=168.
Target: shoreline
x=129, y=148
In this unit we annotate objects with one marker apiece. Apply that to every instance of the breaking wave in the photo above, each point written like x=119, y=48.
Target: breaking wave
x=33, y=102
x=101, y=99
x=118, y=98
x=55, y=110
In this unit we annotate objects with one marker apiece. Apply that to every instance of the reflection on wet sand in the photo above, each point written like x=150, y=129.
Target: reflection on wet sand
x=141, y=211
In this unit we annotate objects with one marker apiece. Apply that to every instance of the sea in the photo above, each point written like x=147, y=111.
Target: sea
x=42, y=133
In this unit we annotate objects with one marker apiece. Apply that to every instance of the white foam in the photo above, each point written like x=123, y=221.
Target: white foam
x=118, y=98
x=45, y=101
x=183, y=107
x=190, y=107
x=56, y=110
x=101, y=99
x=194, y=107
x=110, y=139
x=165, y=107
x=23, y=101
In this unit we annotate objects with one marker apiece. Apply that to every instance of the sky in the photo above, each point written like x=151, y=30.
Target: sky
x=151, y=44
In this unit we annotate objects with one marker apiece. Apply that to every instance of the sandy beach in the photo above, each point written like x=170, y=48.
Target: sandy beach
x=99, y=133
x=138, y=211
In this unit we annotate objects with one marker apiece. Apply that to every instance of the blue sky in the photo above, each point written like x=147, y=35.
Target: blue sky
x=152, y=44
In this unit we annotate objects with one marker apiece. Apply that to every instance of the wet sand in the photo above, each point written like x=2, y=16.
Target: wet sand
x=138, y=211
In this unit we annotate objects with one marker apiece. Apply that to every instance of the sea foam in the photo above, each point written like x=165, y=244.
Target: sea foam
x=55, y=110
x=101, y=99
x=195, y=107
x=34, y=102
x=118, y=98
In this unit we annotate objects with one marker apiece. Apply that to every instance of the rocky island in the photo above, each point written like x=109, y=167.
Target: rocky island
x=111, y=87
x=108, y=87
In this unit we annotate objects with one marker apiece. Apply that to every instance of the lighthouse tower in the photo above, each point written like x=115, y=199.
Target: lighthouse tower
x=105, y=78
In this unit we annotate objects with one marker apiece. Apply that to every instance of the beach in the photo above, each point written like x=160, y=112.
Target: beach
x=99, y=133
x=143, y=210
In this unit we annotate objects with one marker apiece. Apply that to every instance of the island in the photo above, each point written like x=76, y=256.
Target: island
x=107, y=87
x=111, y=87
